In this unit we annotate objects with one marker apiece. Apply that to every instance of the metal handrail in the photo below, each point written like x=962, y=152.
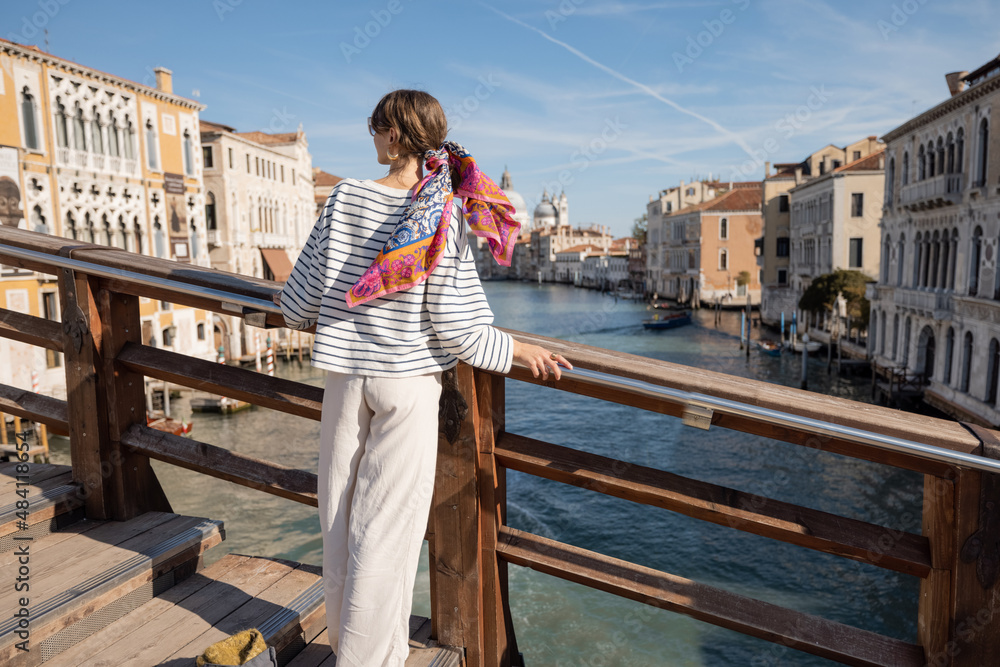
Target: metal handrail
x=778, y=418
x=227, y=298
x=687, y=399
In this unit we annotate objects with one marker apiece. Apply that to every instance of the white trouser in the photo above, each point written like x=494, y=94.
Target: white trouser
x=378, y=449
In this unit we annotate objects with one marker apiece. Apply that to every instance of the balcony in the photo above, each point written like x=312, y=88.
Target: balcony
x=938, y=305
x=941, y=190
x=977, y=309
x=212, y=237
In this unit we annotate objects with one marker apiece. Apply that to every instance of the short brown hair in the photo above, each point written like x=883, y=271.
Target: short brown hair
x=416, y=115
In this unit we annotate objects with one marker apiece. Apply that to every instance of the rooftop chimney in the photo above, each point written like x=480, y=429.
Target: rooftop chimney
x=164, y=80
x=798, y=174
x=767, y=169
x=955, y=83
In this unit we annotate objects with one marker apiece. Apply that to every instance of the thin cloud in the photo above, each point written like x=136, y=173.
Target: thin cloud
x=641, y=86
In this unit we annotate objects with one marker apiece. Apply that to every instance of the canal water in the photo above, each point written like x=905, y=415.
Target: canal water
x=564, y=624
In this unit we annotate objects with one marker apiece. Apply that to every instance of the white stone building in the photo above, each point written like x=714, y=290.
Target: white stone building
x=936, y=308
x=658, y=232
x=260, y=205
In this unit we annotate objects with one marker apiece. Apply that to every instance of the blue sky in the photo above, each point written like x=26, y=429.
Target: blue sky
x=611, y=101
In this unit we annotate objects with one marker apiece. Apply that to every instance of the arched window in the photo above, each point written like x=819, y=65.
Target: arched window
x=114, y=149
x=906, y=342
x=210, y=221
x=974, y=258
x=899, y=259
x=886, y=249
x=121, y=233
x=895, y=336
x=28, y=116
x=932, y=280
x=79, y=131
x=129, y=140
x=136, y=235
x=930, y=159
x=62, y=132
x=167, y=335
x=940, y=155
x=96, y=140
x=105, y=231
x=195, y=243
x=88, y=228
x=951, y=153
x=188, y=154
x=890, y=181
x=158, y=240
x=993, y=364
x=724, y=228
x=38, y=221
x=723, y=259
x=918, y=259
x=966, y=362
x=906, y=167
x=881, y=344
x=151, y=146
x=949, y=354
x=983, y=153
x=921, y=164
x=201, y=331
x=70, y=230
x=960, y=151
x=945, y=256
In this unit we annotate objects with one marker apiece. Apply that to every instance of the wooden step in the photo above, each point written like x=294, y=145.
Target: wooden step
x=90, y=574
x=424, y=652
x=54, y=501
x=283, y=599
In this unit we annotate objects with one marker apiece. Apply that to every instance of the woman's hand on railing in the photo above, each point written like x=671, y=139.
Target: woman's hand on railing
x=539, y=360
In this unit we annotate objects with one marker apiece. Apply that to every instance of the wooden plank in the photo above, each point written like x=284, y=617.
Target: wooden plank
x=273, y=478
x=40, y=408
x=423, y=652
x=31, y=330
x=295, y=398
x=87, y=650
x=87, y=412
x=805, y=632
x=454, y=552
x=135, y=486
x=206, y=609
x=78, y=559
x=496, y=651
x=959, y=619
x=118, y=258
x=803, y=526
x=252, y=614
x=877, y=419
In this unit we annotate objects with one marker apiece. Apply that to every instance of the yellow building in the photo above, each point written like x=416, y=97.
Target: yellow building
x=94, y=157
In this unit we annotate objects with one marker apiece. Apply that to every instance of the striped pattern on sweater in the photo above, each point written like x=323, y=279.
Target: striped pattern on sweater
x=424, y=329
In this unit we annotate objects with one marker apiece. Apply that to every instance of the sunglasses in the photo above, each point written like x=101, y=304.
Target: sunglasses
x=371, y=128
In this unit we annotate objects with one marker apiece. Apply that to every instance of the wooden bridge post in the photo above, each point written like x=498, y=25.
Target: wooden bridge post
x=468, y=579
x=104, y=400
x=959, y=613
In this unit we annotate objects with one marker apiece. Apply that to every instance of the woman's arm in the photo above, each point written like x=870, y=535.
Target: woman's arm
x=462, y=318
x=302, y=294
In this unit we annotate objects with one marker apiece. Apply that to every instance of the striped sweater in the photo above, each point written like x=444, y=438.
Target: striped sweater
x=424, y=329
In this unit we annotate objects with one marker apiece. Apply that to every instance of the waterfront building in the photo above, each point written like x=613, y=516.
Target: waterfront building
x=91, y=156
x=670, y=201
x=323, y=183
x=709, y=245
x=608, y=269
x=936, y=307
x=780, y=292
x=260, y=206
x=547, y=233
x=835, y=224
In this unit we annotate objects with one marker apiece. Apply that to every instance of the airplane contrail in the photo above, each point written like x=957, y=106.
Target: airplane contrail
x=641, y=86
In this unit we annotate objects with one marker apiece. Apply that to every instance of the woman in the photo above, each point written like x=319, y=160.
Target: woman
x=388, y=277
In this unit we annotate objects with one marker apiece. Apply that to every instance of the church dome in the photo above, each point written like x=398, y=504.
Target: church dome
x=545, y=210
x=515, y=198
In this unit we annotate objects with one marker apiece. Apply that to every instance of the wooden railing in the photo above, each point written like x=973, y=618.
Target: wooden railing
x=954, y=556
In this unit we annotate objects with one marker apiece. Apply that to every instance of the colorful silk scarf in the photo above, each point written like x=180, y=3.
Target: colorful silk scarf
x=418, y=241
